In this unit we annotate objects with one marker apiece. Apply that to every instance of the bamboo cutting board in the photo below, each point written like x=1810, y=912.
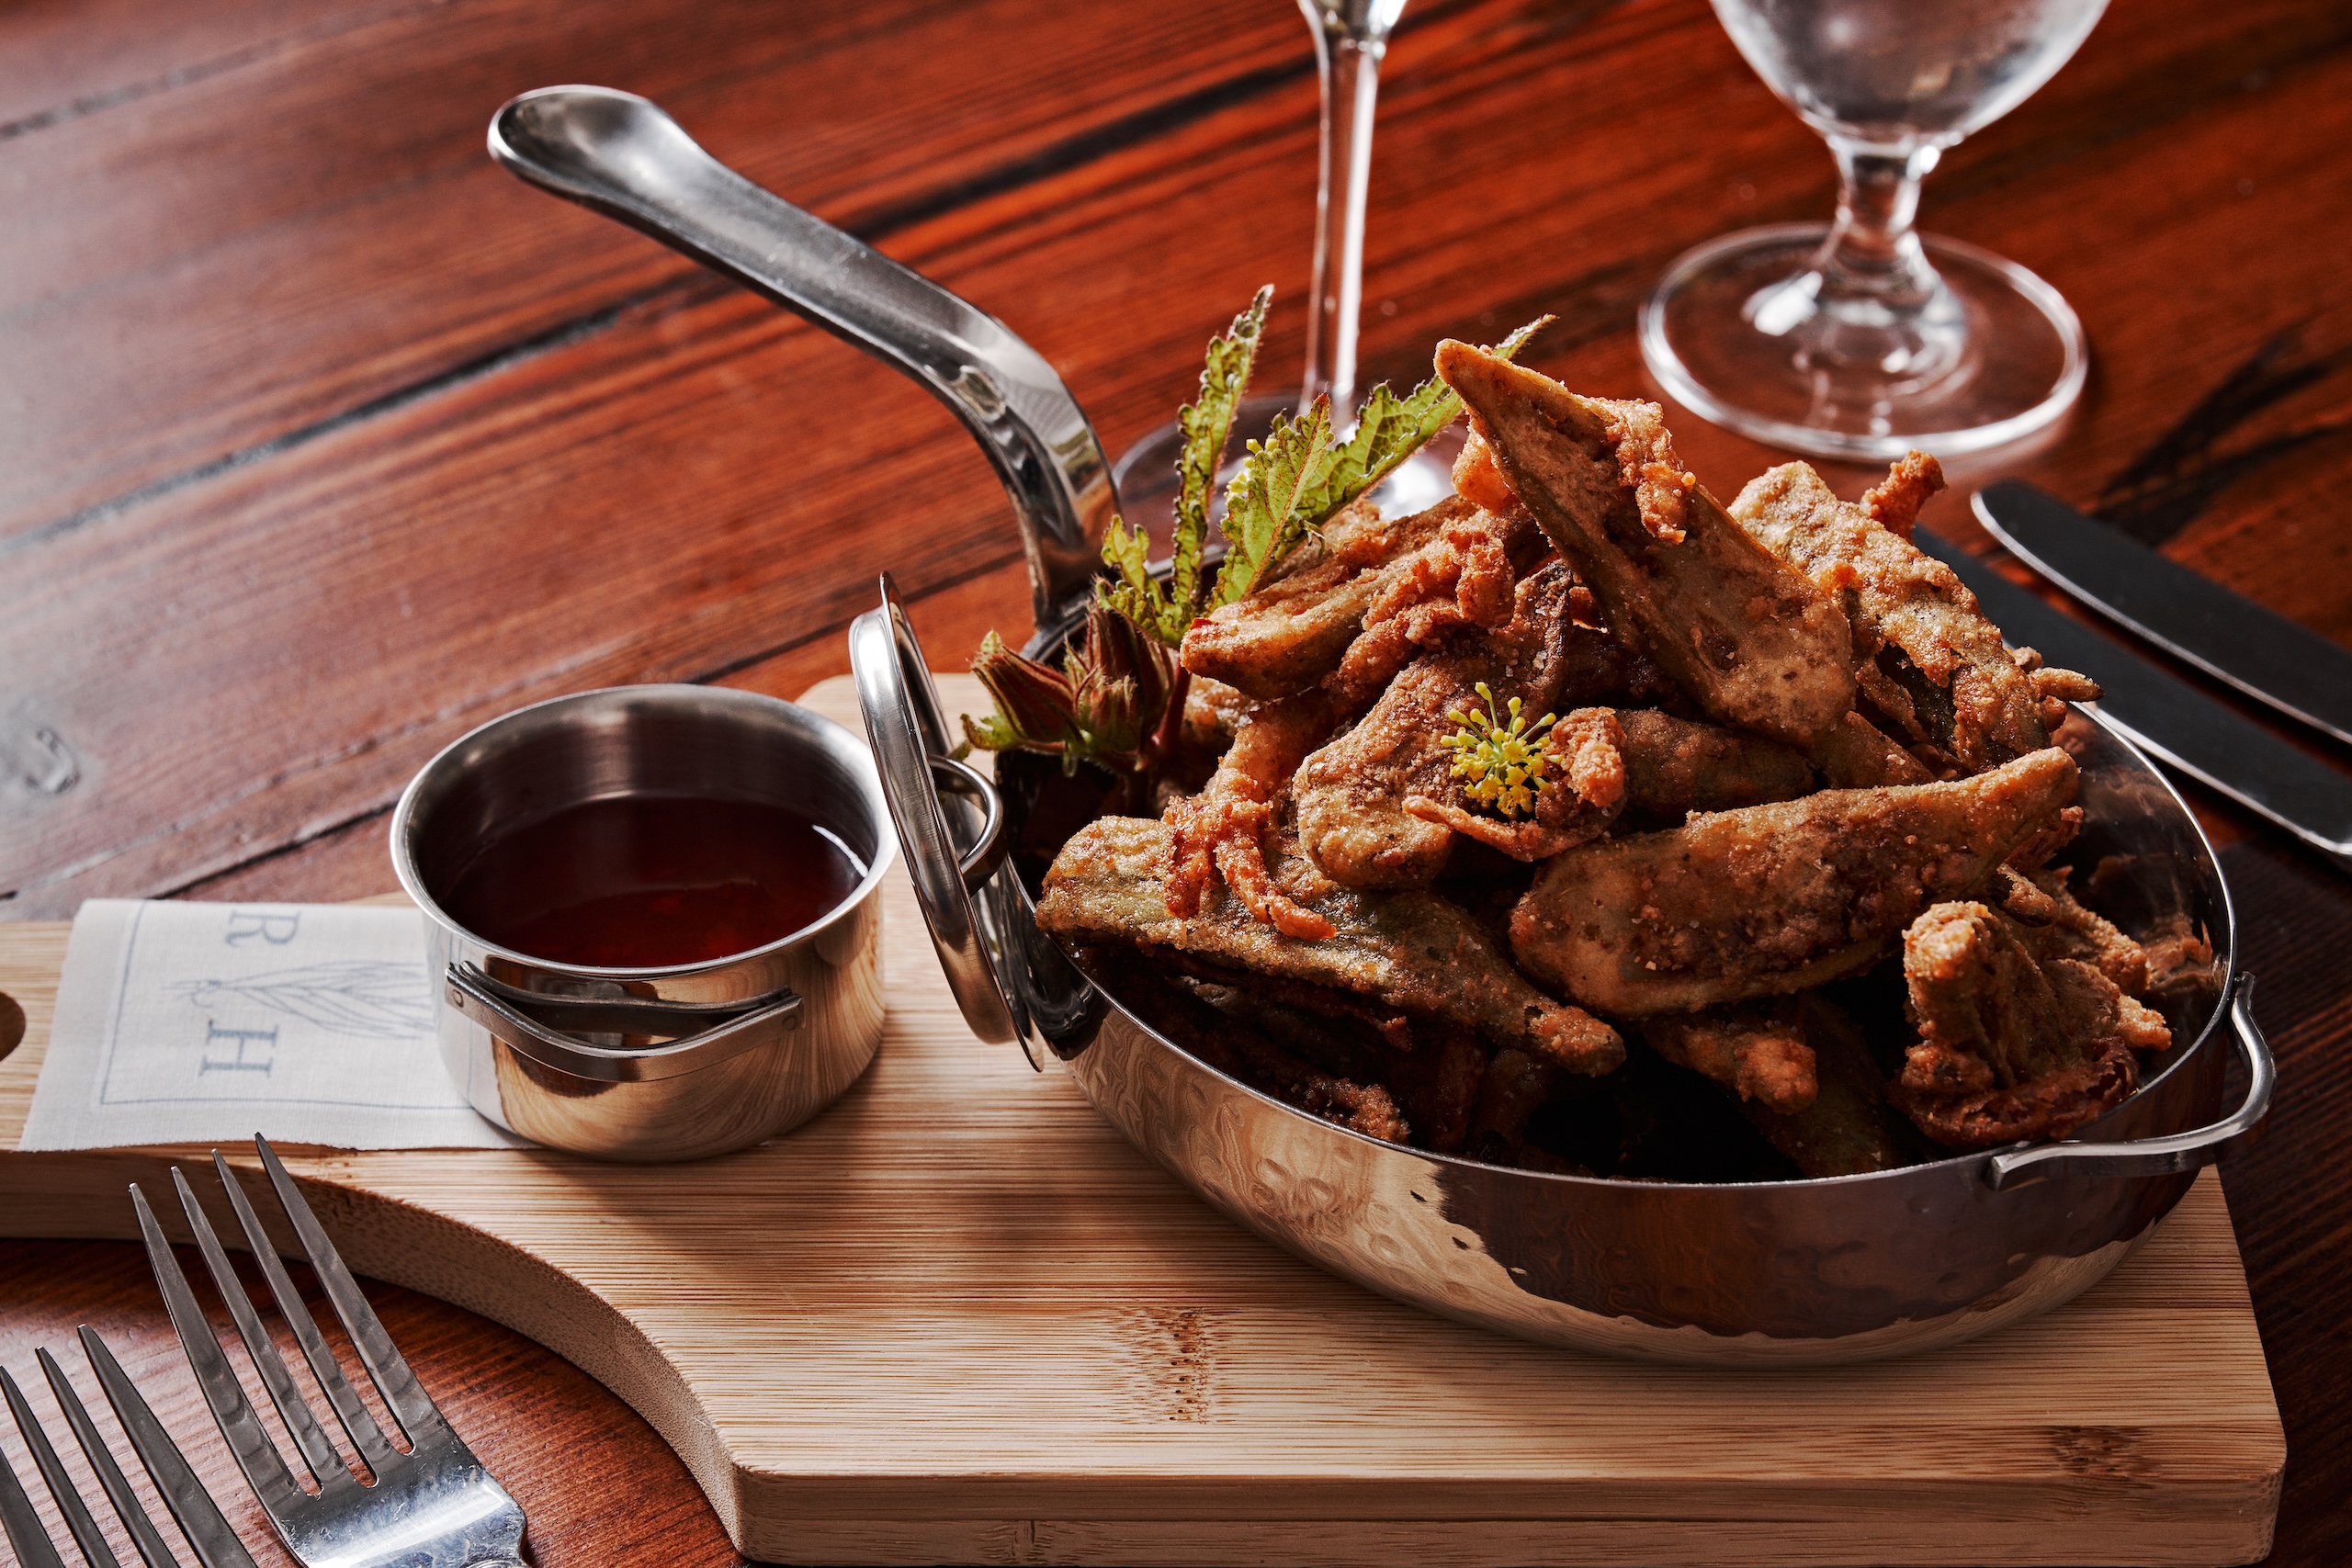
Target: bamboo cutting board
x=956, y=1319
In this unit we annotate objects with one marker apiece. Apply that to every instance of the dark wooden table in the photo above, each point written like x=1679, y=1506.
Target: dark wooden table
x=321, y=440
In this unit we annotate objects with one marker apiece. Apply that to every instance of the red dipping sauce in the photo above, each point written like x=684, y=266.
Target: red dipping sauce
x=641, y=882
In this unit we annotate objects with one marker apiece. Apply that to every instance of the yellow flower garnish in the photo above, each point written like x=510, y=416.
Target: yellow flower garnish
x=1502, y=760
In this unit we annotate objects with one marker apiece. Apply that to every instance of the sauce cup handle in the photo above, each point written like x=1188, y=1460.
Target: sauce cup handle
x=2165, y=1155
x=486, y=1003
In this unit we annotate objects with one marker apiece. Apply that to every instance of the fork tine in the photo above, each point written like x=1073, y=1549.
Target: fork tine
x=127, y=1506
x=26, y=1537
x=318, y=1451
x=216, y=1545
x=366, y=1436
x=414, y=1409
x=255, y=1454
x=60, y=1486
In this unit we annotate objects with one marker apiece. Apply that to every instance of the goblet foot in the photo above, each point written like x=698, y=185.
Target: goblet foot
x=1145, y=474
x=1741, y=331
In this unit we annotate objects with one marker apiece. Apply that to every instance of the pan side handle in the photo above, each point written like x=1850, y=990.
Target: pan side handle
x=2177, y=1152
x=619, y=154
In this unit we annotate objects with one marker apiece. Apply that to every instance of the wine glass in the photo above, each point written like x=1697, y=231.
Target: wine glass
x=1351, y=37
x=1863, y=338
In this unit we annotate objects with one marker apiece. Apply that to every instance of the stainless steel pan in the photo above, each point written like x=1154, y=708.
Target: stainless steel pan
x=1780, y=1273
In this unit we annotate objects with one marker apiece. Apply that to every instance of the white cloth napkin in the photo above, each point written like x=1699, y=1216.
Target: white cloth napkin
x=195, y=1024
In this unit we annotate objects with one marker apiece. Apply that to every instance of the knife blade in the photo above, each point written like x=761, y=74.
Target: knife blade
x=2168, y=718
x=2223, y=633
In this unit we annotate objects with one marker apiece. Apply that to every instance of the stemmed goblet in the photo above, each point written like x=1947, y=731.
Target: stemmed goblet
x=1863, y=338
x=1351, y=37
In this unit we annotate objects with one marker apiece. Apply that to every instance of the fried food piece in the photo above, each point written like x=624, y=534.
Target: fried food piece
x=2184, y=977
x=1514, y=1087
x=1857, y=754
x=1674, y=767
x=1287, y=636
x=1292, y=632
x=1214, y=713
x=2052, y=835
x=1221, y=831
x=1927, y=660
x=2053, y=688
x=2011, y=1046
x=1849, y=1129
x=1439, y=1084
x=1577, y=801
x=1351, y=797
x=1755, y=644
x=1411, y=950
x=1769, y=900
x=1431, y=1072
x=1463, y=577
x=1477, y=478
x=1757, y=1050
x=1894, y=504
x=1646, y=456
x=2053, y=925
x=1375, y=594
x=1187, y=1017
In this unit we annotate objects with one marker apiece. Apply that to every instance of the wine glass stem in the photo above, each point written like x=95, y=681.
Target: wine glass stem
x=1347, y=61
x=1873, y=254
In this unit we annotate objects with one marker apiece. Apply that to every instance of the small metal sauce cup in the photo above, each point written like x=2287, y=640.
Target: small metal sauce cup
x=663, y=1063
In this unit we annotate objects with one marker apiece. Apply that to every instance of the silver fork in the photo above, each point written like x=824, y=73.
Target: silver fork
x=433, y=1506
x=216, y=1546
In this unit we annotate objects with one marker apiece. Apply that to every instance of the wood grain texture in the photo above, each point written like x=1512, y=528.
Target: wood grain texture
x=958, y=1318
x=190, y=226
x=2295, y=928
x=617, y=505
x=599, y=1484
x=320, y=439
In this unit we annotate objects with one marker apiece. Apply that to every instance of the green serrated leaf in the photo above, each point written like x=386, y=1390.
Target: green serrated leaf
x=1207, y=423
x=1509, y=348
x=1280, y=493
x=1392, y=429
x=1166, y=610
x=1296, y=478
x=1138, y=595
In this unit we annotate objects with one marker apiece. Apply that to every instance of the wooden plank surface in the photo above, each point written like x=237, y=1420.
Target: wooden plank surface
x=666, y=492
x=320, y=439
x=958, y=1318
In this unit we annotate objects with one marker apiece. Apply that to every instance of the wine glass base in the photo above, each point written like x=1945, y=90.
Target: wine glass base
x=1145, y=474
x=1731, y=332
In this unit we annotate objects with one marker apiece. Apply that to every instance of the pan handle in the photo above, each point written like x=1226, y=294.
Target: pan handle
x=2165, y=1155
x=618, y=154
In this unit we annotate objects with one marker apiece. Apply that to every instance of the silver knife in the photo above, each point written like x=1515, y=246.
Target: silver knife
x=2225, y=634
x=2167, y=717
